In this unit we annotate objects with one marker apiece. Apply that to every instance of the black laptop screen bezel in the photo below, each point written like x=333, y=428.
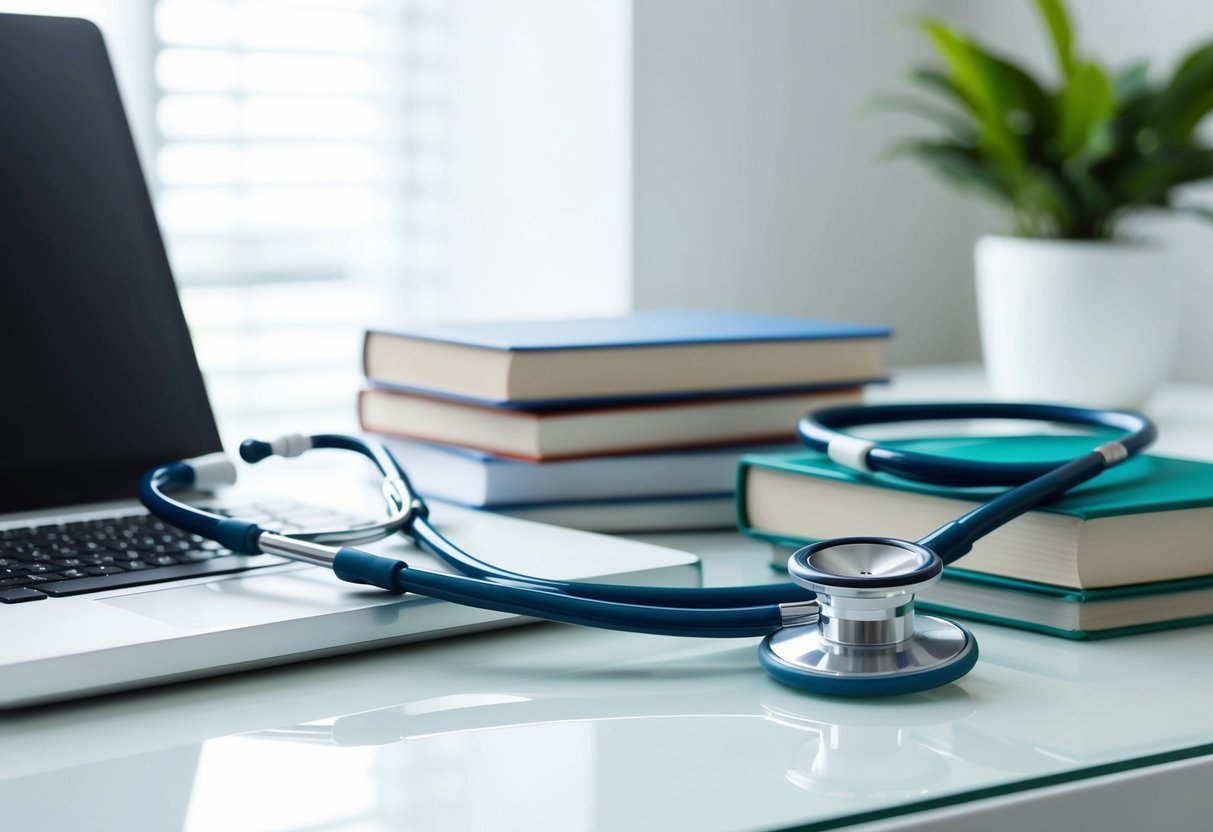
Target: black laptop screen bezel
x=139, y=423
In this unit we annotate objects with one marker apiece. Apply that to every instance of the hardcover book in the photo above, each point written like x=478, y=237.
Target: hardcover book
x=695, y=512
x=647, y=354
x=1060, y=611
x=479, y=479
x=593, y=431
x=1149, y=519
x=1070, y=613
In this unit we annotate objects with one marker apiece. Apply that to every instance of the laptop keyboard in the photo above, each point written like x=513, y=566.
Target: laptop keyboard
x=73, y=558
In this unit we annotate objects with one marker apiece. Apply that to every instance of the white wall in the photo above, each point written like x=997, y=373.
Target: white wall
x=758, y=185
x=758, y=181
x=540, y=201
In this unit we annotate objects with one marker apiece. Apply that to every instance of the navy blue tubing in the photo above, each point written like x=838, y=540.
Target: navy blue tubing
x=817, y=429
x=241, y=536
x=237, y=535
x=254, y=450
x=485, y=593
x=495, y=594
x=685, y=598
x=430, y=539
x=1038, y=482
x=427, y=537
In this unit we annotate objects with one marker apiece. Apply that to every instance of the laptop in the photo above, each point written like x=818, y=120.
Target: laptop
x=101, y=382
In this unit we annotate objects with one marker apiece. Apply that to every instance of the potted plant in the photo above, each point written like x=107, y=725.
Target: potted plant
x=1072, y=307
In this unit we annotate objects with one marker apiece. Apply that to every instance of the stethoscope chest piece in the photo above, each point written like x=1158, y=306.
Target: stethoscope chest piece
x=867, y=640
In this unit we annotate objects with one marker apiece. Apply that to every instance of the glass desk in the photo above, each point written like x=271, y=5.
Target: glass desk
x=554, y=727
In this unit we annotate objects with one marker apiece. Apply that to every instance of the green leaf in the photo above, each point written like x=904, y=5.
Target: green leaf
x=1012, y=109
x=1188, y=98
x=1131, y=83
x=955, y=51
x=1043, y=206
x=970, y=70
x=1094, y=203
x=1086, y=104
x=1070, y=163
x=932, y=80
x=1188, y=164
x=960, y=164
x=1151, y=177
x=959, y=125
x=1029, y=109
x=1054, y=13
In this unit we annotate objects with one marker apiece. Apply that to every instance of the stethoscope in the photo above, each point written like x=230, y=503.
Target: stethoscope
x=845, y=626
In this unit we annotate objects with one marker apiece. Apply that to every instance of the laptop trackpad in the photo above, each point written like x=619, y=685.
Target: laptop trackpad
x=249, y=600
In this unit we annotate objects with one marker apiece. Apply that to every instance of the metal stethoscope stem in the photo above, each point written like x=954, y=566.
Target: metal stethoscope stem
x=846, y=625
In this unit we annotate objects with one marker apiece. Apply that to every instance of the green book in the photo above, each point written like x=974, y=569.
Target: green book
x=1060, y=611
x=1145, y=521
x=1090, y=613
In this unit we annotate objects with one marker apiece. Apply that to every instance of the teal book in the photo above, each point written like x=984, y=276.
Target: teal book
x=1060, y=611
x=1145, y=521
x=1072, y=613
x=646, y=355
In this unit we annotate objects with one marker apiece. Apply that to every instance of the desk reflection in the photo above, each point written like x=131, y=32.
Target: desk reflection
x=555, y=728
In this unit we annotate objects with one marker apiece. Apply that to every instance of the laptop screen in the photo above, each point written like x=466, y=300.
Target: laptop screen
x=99, y=379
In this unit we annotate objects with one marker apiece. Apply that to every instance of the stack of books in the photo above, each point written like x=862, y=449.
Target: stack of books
x=1129, y=551
x=628, y=423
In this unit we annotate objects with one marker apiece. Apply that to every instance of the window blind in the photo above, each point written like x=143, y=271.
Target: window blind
x=299, y=172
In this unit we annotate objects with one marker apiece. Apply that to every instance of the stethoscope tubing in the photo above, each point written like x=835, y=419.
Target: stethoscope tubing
x=818, y=430
x=955, y=539
x=1035, y=483
x=530, y=600
x=430, y=539
x=423, y=533
x=729, y=612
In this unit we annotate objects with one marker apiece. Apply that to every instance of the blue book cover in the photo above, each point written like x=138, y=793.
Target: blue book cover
x=644, y=328
x=651, y=355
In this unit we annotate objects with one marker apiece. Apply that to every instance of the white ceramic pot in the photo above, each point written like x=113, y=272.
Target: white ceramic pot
x=1075, y=322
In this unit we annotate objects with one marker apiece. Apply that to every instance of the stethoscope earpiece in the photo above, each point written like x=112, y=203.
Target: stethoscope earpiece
x=867, y=640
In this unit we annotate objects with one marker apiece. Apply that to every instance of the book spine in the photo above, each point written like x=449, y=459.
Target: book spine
x=366, y=348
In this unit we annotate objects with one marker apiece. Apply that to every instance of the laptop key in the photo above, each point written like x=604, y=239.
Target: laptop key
x=20, y=594
x=101, y=570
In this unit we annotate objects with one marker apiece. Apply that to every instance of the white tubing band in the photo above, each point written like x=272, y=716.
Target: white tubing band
x=291, y=444
x=850, y=452
x=211, y=471
x=1112, y=453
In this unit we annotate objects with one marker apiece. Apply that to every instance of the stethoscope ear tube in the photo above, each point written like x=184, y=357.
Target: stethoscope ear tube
x=237, y=535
